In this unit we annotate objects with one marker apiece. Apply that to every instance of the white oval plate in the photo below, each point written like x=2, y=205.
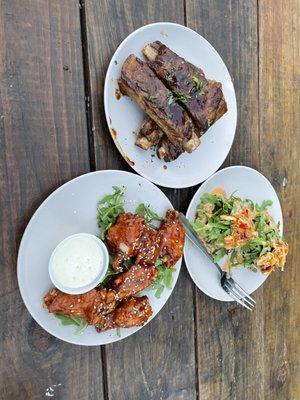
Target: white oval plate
x=72, y=209
x=248, y=183
x=124, y=116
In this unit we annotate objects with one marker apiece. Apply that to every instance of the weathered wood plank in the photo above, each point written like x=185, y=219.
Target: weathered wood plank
x=229, y=338
x=43, y=144
x=159, y=361
x=279, y=99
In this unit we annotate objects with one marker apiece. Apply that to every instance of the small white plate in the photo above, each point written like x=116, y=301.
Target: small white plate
x=72, y=209
x=248, y=183
x=124, y=116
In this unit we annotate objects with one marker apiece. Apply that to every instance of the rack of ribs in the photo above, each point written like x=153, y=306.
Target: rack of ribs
x=140, y=83
x=202, y=98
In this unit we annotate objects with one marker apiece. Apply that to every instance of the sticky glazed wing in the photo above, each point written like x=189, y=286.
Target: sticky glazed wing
x=132, y=312
x=124, y=236
x=91, y=306
x=147, y=252
x=171, y=235
x=137, y=278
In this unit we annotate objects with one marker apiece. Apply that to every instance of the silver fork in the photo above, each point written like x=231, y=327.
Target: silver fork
x=231, y=287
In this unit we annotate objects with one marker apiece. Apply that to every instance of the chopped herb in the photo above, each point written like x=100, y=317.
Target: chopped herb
x=182, y=97
x=108, y=209
x=147, y=213
x=170, y=75
x=134, y=133
x=118, y=331
x=80, y=323
x=164, y=278
x=170, y=98
x=151, y=97
x=209, y=122
x=199, y=85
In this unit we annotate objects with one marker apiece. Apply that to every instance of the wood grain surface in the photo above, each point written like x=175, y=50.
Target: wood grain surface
x=43, y=144
x=162, y=355
x=279, y=122
x=230, y=364
x=54, y=56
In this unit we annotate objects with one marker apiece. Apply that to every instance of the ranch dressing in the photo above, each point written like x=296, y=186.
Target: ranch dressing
x=77, y=261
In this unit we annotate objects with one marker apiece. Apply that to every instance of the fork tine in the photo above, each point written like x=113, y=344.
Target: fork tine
x=238, y=293
x=244, y=293
x=234, y=297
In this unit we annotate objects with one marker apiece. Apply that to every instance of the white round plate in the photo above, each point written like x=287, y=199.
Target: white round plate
x=72, y=209
x=248, y=183
x=124, y=116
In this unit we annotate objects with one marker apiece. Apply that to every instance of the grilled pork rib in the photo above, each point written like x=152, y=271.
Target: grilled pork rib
x=202, y=98
x=140, y=82
x=150, y=135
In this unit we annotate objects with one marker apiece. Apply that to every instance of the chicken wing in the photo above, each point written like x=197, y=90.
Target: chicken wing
x=137, y=278
x=171, y=236
x=147, y=251
x=132, y=312
x=123, y=238
x=91, y=306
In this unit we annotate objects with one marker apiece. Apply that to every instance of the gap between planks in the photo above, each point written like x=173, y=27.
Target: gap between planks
x=87, y=85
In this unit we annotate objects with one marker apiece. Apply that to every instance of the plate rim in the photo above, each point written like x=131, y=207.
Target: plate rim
x=189, y=211
x=107, y=117
x=22, y=245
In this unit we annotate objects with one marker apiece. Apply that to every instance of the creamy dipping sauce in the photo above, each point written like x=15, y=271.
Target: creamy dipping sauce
x=77, y=261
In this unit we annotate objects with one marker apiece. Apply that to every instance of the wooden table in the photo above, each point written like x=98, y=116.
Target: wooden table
x=54, y=55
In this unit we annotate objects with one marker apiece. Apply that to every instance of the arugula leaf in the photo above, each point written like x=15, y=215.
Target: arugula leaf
x=111, y=272
x=108, y=209
x=219, y=254
x=164, y=278
x=147, y=213
x=79, y=322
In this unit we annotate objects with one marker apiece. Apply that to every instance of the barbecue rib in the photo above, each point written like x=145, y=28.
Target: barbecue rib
x=150, y=135
x=167, y=151
x=139, y=82
x=202, y=98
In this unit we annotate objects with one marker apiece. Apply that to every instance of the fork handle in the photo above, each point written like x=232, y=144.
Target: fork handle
x=192, y=235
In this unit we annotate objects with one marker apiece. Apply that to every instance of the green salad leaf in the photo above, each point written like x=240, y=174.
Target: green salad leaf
x=108, y=209
x=164, y=278
x=147, y=213
x=79, y=322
